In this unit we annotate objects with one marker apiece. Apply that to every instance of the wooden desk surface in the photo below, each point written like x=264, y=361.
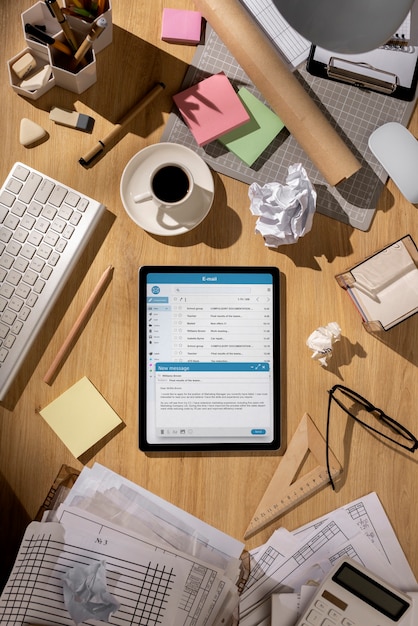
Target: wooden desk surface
x=222, y=489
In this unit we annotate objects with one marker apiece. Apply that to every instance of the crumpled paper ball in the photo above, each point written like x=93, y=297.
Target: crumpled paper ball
x=321, y=341
x=285, y=211
x=86, y=595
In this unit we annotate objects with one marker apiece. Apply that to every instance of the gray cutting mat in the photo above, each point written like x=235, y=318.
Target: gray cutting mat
x=353, y=112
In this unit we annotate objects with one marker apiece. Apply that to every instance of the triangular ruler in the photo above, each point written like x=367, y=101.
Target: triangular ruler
x=283, y=492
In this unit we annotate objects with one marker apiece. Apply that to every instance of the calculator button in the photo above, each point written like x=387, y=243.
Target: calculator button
x=321, y=606
x=347, y=622
x=314, y=618
x=333, y=614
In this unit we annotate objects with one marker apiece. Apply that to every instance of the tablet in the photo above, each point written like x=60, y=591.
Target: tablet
x=393, y=72
x=209, y=358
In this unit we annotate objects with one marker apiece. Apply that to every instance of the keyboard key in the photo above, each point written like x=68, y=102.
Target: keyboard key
x=18, y=208
x=44, y=251
x=51, y=238
x=65, y=212
x=35, y=238
x=37, y=264
x=8, y=317
x=5, y=235
x=21, y=235
x=44, y=191
x=28, y=222
x=11, y=221
x=54, y=258
x=46, y=272
x=75, y=218
x=67, y=232
x=28, y=251
x=21, y=172
x=23, y=291
x=24, y=313
x=33, y=298
x=29, y=188
x=58, y=225
x=9, y=341
x=6, y=290
x=14, y=186
x=57, y=196
x=30, y=277
x=72, y=199
x=17, y=327
x=14, y=248
x=49, y=212
x=42, y=225
x=35, y=209
x=6, y=261
x=38, y=287
x=7, y=199
x=14, y=277
x=82, y=205
x=61, y=245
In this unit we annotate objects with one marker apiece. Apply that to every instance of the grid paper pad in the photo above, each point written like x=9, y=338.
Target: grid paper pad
x=354, y=113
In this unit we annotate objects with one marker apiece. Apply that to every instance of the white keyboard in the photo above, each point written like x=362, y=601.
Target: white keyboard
x=44, y=227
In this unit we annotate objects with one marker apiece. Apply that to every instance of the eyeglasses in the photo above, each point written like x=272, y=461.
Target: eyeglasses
x=399, y=435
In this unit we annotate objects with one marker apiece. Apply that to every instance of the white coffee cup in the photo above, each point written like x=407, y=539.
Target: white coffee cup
x=169, y=185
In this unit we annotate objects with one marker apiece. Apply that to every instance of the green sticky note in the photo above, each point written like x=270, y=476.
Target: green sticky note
x=250, y=140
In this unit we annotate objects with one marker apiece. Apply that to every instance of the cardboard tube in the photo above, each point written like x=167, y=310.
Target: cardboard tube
x=262, y=63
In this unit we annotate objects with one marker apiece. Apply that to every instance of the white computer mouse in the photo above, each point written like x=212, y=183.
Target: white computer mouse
x=397, y=150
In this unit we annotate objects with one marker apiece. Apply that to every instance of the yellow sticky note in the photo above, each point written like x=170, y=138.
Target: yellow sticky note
x=81, y=417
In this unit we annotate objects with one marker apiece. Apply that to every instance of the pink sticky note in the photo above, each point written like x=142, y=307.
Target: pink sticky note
x=211, y=108
x=181, y=26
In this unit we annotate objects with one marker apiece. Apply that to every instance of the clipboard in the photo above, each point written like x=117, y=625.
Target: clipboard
x=392, y=71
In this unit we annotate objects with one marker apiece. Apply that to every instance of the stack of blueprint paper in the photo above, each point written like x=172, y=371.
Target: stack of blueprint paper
x=286, y=570
x=161, y=565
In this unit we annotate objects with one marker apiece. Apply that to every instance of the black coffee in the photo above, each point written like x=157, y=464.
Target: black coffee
x=170, y=183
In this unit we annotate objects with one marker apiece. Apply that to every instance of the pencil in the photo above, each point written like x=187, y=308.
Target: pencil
x=96, y=30
x=120, y=126
x=79, y=324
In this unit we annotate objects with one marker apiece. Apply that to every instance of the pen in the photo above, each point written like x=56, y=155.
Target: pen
x=120, y=126
x=38, y=34
x=79, y=324
x=55, y=10
x=95, y=31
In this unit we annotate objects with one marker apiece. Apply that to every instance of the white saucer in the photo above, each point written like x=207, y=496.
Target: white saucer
x=147, y=214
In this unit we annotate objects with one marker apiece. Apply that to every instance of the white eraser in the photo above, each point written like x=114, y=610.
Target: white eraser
x=73, y=119
x=25, y=64
x=38, y=80
x=30, y=132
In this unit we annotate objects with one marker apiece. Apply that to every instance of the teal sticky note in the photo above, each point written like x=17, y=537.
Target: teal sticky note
x=250, y=140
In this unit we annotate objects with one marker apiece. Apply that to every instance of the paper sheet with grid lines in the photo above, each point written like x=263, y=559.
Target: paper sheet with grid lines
x=150, y=583
x=353, y=112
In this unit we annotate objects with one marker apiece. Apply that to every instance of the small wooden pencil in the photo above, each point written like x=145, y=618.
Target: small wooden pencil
x=79, y=324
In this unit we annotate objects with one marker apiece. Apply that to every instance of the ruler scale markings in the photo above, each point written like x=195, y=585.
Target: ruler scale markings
x=282, y=493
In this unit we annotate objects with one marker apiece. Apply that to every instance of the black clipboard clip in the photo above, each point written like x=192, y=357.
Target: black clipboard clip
x=349, y=72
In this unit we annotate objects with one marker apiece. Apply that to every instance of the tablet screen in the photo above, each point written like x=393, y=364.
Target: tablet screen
x=209, y=366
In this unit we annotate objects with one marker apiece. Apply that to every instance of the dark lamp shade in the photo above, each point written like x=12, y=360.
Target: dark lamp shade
x=346, y=26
